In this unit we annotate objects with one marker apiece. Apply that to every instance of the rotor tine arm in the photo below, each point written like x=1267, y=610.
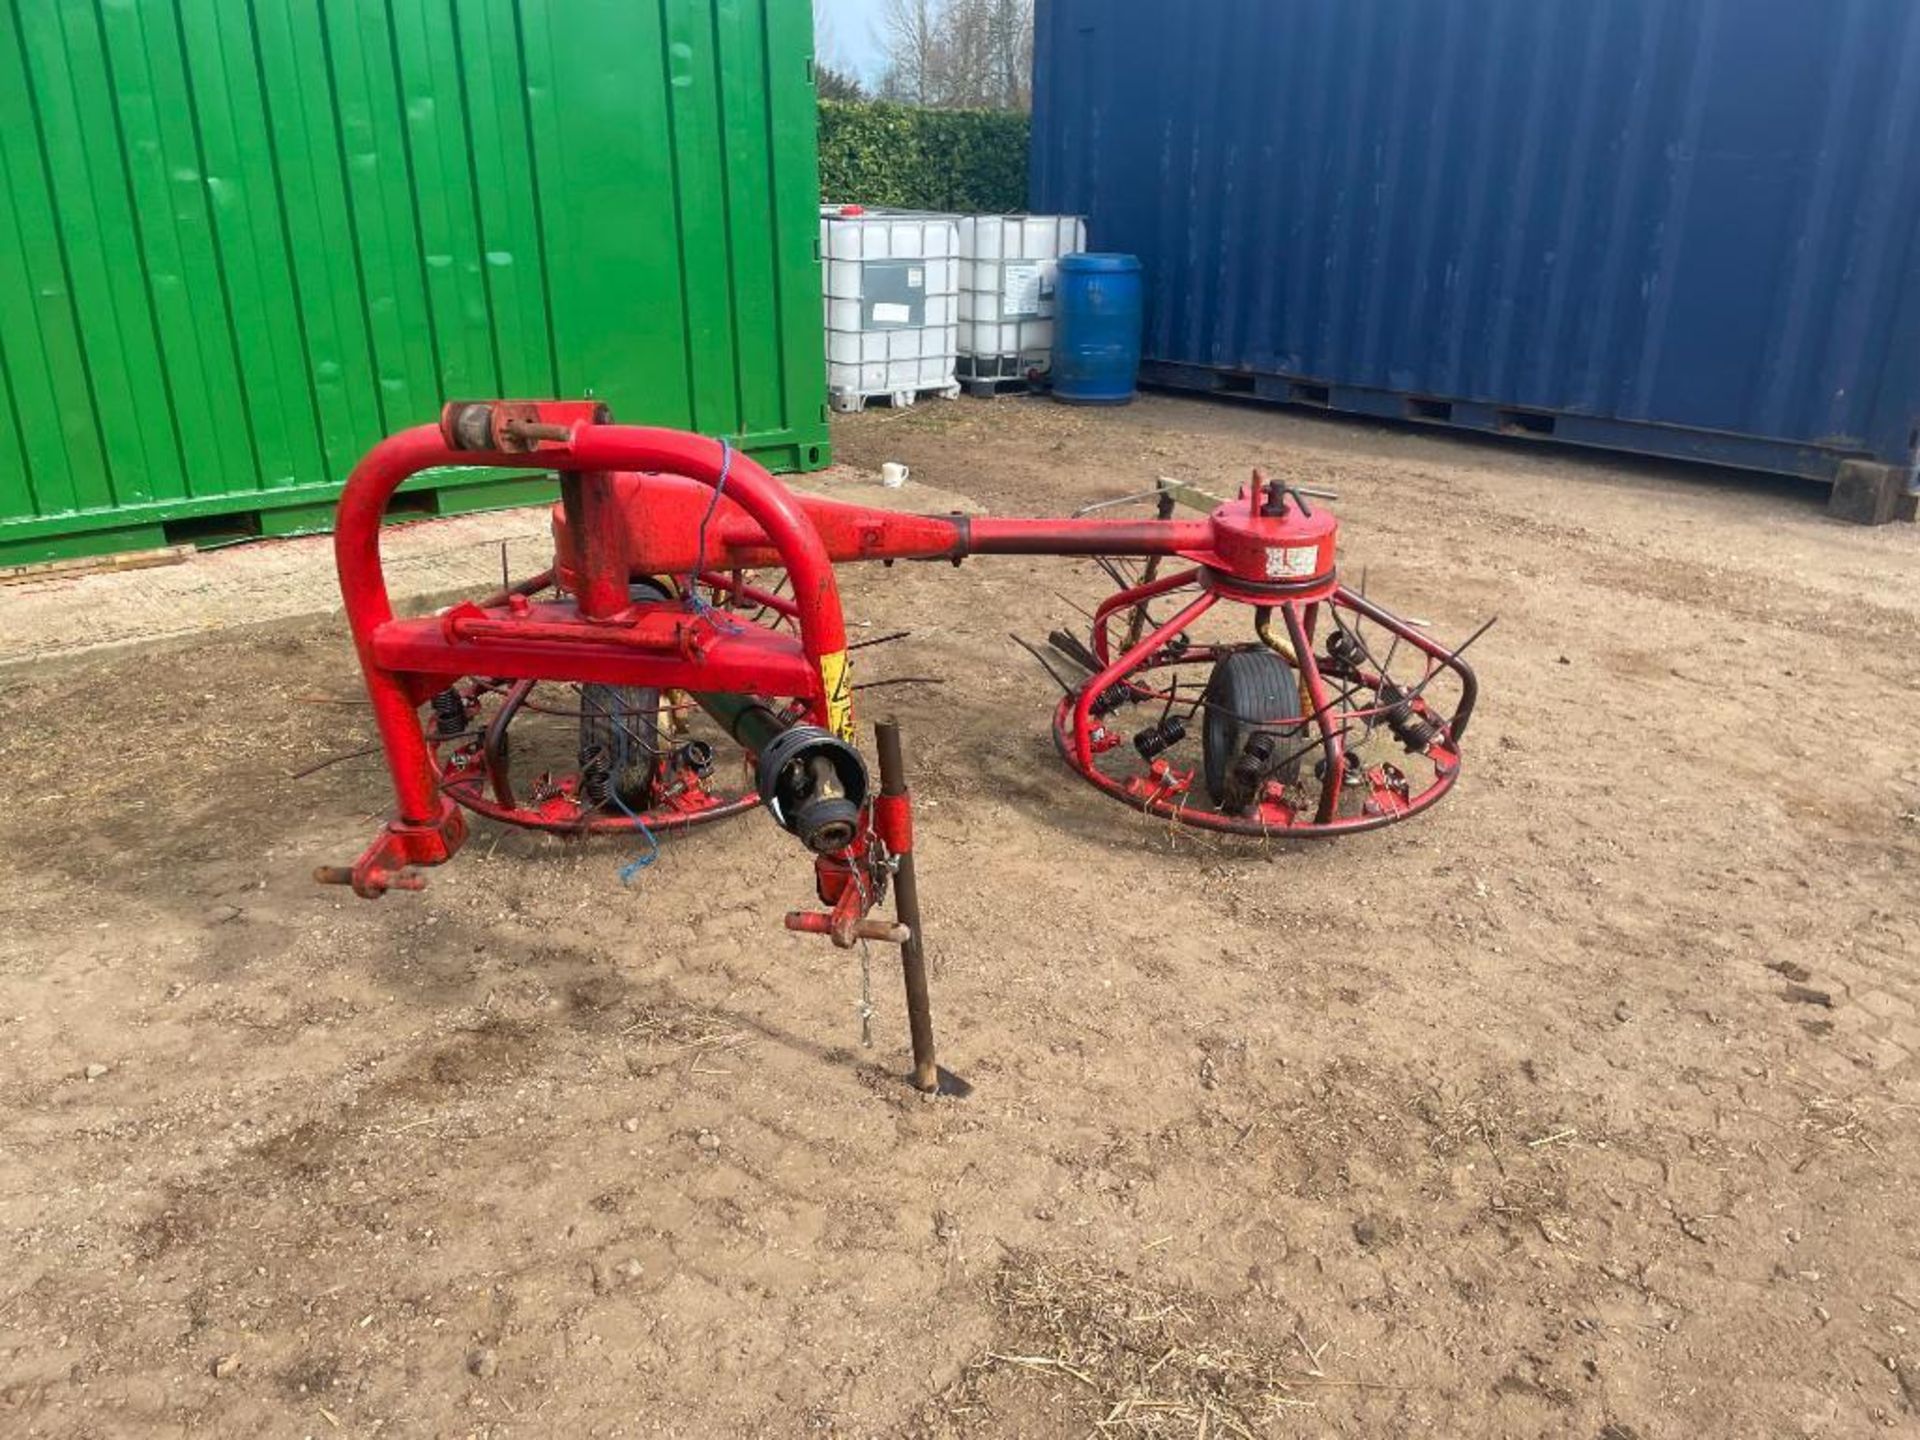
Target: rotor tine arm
x=1448, y=659
x=1333, y=741
x=1128, y=662
x=1034, y=650
x=494, y=746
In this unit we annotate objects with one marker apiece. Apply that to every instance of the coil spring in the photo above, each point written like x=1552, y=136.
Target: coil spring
x=1345, y=652
x=1409, y=727
x=596, y=777
x=1248, y=773
x=449, y=714
x=1112, y=698
x=1160, y=737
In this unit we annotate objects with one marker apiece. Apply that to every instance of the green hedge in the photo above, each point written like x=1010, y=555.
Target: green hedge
x=876, y=153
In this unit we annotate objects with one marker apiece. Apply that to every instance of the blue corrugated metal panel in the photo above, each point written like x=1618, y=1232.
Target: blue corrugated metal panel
x=1666, y=217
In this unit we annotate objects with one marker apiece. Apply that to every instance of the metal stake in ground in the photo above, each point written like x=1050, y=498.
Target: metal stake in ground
x=906, y=902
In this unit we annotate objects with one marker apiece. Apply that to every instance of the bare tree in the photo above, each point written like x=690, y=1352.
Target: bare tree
x=960, y=53
x=1010, y=52
x=968, y=83
x=833, y=78
x=916, y=64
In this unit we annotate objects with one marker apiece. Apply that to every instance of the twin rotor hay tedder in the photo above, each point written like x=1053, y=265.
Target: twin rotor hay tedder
x=688, y=582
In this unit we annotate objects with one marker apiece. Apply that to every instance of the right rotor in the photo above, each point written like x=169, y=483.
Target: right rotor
x=1326, y=714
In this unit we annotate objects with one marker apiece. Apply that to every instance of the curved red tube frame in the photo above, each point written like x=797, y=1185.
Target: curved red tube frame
x=471, y=793
x=427, y=826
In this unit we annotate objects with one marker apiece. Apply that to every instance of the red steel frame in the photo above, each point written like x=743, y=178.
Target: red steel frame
x=641, y=503
x=644, y=502
x=407, y=661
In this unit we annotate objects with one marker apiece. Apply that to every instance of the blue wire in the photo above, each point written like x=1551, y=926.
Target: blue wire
x=639, y=862
x=698, y=606
x=694, y=602
x=693, y=599
x=619, y=768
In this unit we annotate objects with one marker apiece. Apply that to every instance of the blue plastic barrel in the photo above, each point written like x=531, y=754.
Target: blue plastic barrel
x=1096, y=329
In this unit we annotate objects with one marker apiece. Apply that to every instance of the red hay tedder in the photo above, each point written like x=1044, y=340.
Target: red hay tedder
x=686, y=578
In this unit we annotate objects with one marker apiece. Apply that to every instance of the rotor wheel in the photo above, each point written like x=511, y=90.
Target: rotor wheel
x=623, y=721
x=1249, y=693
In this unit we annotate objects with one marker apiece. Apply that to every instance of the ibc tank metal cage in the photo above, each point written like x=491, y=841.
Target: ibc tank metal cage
x=1008, y=272
x=891, y=296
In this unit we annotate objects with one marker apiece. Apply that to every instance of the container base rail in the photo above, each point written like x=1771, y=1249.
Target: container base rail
x=1865, y=491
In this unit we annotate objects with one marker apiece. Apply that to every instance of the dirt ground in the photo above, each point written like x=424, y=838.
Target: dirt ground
x=1584, y=1105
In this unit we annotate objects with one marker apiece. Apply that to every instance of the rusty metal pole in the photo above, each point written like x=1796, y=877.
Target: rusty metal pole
x=1138, y=624
x=906, y=909
x=595, y=521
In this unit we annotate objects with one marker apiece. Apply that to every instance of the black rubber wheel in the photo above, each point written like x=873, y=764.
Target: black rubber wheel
x=624, y=721
x=1247, y=693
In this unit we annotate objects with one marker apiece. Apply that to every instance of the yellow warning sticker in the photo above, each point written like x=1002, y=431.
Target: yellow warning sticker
x=833, y=677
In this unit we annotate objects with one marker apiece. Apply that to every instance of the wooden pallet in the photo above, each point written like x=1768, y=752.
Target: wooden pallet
x=986, y=387
x=94, y=565
x=846, y=402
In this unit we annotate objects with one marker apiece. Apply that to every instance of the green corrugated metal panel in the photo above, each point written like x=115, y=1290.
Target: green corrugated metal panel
x=240, y=240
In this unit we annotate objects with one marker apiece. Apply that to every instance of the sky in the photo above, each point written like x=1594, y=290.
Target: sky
x=851, y=35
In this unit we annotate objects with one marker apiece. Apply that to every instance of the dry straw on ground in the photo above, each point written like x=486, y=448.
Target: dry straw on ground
x=1135, y=1358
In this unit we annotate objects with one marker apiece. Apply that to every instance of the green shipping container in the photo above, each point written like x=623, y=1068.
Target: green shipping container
x=241, y=240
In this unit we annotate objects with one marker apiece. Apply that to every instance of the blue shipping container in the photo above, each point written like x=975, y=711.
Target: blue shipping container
x=1683, y=227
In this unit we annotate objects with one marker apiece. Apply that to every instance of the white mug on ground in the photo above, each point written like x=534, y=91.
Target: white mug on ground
x=893, y=474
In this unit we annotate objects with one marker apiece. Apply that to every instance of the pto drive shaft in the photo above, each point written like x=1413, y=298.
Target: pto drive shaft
x=811, y=780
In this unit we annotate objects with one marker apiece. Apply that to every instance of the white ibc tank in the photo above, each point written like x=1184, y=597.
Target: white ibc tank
x=1007, y=265
x=892, y=302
